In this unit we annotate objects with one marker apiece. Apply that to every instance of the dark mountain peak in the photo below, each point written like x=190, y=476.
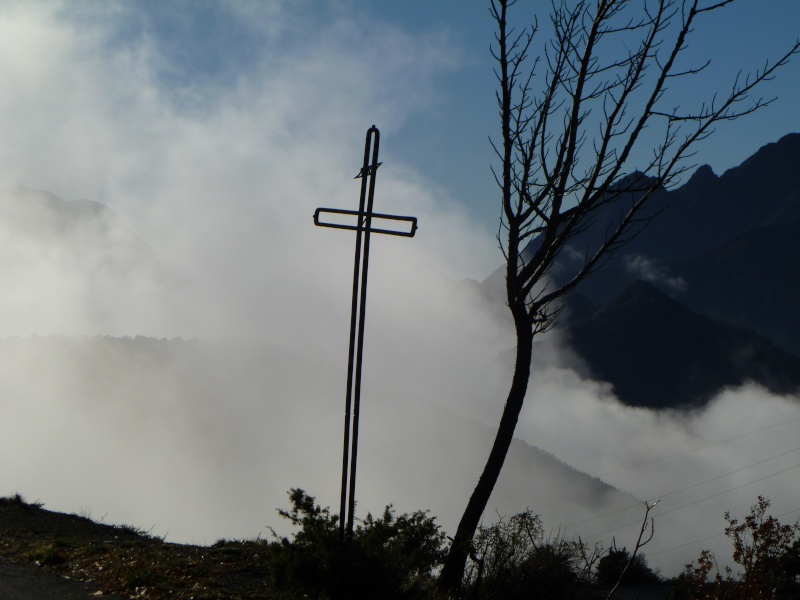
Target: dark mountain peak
x=717, y=304
x=643, y=293
x=757, y=188
x=630, y=177
x=642, y=289
x=703, y=176
x=786, y=148
x=632, y=182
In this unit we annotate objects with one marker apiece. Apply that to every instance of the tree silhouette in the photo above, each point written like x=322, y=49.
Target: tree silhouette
x=562, y=156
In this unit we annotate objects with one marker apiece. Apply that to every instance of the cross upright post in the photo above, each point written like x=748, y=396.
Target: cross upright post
x=363, y=228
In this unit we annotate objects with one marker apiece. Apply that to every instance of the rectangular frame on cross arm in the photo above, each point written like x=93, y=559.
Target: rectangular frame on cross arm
x=341, y=211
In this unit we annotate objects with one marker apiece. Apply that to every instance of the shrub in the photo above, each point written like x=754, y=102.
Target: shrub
x=513, y=559
x=387, y=557
x=610, y=570
x=767, y=553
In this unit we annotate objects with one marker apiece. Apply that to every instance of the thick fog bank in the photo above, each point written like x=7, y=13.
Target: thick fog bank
x=201, y=440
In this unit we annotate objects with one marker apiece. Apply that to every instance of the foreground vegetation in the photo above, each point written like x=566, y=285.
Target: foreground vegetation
x=390, y=557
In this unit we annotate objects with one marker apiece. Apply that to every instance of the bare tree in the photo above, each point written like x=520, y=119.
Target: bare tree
x=563, y=152
x=641, y=542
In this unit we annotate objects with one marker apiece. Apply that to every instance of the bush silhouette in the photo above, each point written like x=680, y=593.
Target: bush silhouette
x=388, y=557
x=514, y=560
x=611, y=566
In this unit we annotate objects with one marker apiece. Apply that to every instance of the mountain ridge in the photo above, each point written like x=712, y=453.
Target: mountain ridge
x=725, y=248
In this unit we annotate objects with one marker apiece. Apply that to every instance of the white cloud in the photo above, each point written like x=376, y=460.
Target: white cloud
x=224, y=191
x=649, y=270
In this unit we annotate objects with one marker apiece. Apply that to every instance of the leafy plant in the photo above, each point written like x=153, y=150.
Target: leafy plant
x=512, y=559
x=768, y=553
x=388, y=557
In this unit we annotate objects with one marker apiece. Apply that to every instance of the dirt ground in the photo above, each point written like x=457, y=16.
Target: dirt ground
x=49, y=555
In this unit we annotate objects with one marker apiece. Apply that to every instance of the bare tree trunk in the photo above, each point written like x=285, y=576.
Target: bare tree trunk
x=453, y=570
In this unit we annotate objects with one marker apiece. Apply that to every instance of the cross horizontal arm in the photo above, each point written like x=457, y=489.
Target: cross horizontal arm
x=340, y=211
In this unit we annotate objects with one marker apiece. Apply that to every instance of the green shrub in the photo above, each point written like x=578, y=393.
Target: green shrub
x=388, y=557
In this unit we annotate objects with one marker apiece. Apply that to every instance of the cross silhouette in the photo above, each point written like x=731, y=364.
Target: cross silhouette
x=363, y=228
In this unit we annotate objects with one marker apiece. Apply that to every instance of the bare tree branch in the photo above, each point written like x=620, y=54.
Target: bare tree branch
x=640, y=543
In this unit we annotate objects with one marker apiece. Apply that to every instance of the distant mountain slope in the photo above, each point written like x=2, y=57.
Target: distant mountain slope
x=654, y=350
x=76, y=267
x=752, y=280
x=709, y=209
x=725, y=248
x=700, y=215
x=88, y=234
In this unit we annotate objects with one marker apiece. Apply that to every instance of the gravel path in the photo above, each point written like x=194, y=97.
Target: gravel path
x=28, y=582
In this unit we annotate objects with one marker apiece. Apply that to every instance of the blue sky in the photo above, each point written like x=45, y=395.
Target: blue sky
x=454, y=133
x=444, y=133
x=437, y=108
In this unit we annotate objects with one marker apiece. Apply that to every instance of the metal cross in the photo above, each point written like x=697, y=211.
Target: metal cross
x=363, y=228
